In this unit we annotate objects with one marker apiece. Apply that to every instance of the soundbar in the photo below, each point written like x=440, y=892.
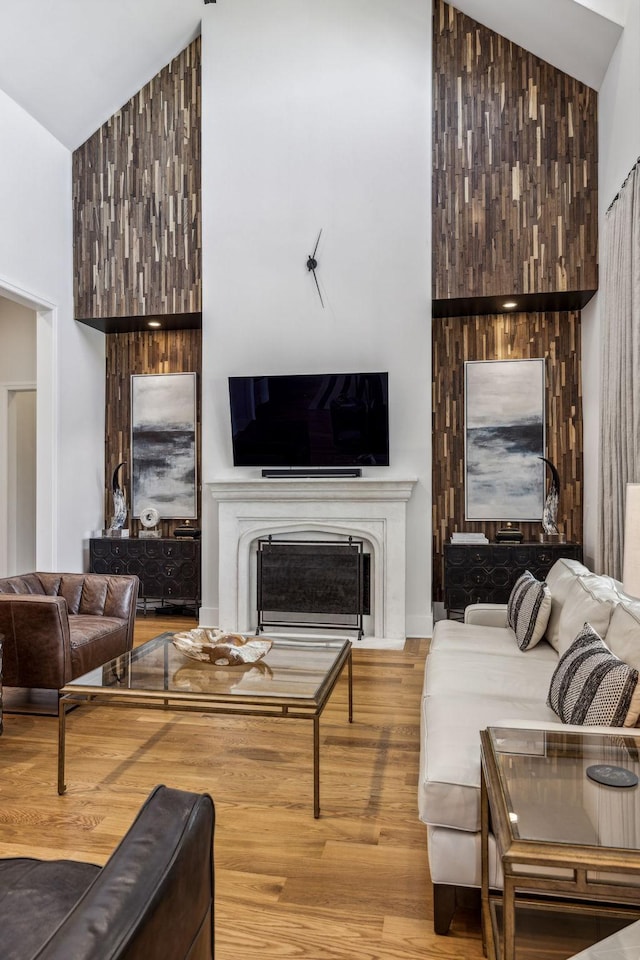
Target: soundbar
x=275, y=474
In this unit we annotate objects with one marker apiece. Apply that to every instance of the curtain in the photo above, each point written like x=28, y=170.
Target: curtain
x=619, y=370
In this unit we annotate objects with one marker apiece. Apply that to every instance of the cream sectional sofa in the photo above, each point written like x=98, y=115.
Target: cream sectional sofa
x=476, y=676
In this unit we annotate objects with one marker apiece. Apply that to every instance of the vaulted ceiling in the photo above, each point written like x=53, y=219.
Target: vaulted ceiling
x=72, y=63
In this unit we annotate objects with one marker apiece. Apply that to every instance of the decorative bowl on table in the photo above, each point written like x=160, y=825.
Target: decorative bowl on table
x=213, y=645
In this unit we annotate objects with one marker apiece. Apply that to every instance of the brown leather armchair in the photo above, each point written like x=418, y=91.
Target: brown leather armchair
x=58, y=626
x=152, y=899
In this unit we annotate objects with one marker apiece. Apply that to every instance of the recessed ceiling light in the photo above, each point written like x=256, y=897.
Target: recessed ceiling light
x=154, y=323
x=509, y=305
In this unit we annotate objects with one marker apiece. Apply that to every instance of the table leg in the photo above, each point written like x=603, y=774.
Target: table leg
x=484, y=859
x=62, y=714
x=509, y=919
x=350, y=681
x=316, y=767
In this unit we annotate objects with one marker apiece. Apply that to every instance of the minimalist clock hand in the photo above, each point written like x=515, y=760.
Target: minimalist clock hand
x=312, y=263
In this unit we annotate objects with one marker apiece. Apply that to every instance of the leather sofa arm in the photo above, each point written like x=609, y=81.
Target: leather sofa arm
x=36, y=647
x=154, y=896
x=487, y=614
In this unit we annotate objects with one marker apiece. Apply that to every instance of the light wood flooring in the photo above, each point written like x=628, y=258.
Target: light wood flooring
x=352, y=885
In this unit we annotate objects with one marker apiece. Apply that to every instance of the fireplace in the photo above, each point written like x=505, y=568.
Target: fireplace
x=362, y=508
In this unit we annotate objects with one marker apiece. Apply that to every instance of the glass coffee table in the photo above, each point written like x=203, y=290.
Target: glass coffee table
x=294, y=681
x=564, y=809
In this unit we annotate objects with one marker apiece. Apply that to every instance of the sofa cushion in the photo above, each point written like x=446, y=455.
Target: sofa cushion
x=95, y=640
x=623, y=635
x=453, y=635
x=472, y=672
x=50, y=887
x=559, y=579
x=528, y=610
x=591, y=685
x=449, y=784
x=589, y=599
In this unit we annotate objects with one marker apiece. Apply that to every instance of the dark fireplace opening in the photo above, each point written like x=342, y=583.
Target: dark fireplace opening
x=313, y=583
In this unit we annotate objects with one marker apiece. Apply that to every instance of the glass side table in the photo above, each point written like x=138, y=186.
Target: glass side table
x=564, y=839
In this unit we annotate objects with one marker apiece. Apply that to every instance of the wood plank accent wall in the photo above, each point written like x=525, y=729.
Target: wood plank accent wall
x=514, y=167
x=170, y=351
x=136, y=202
x=557, y=338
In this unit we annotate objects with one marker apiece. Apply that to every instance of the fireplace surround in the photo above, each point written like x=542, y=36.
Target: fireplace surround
x=370, y=509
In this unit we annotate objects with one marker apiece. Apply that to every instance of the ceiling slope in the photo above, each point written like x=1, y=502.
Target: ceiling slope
x=571, y=35
x=73, y=63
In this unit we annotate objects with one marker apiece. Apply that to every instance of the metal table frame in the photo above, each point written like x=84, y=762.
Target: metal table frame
x=77, y=694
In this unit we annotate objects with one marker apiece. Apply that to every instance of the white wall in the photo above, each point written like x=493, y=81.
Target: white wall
x=316, y=115
x=17, y=343
x=619, y=148
x=18, y=327
x=36, y=270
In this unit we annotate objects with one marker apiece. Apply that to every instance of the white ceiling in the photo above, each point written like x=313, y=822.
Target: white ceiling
x=72, y=63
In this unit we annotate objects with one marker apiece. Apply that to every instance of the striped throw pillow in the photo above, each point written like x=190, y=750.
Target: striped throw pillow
x=592, y=686
x=528, y=610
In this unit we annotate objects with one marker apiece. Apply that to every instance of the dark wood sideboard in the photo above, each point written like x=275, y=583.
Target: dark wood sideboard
x=486, y=572
x=168, y=567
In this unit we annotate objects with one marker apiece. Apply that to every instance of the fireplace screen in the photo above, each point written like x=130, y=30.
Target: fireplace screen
x=312, y=583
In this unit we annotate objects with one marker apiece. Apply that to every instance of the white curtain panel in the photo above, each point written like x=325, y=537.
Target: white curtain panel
x=620, y=369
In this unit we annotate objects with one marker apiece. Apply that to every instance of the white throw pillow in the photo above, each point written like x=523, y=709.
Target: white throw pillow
x=592, y=686
x=590, y=599
x=559, y=580
x=623, y=635
x=528, y=610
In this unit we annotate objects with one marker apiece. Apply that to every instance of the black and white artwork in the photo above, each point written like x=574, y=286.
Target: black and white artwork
x=163, y=444
x=504, y=439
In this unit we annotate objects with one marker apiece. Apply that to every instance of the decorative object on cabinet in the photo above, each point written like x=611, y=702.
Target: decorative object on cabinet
x=486, y=573
x=187, y=531
x=509, y=534
x=117, y=528
x=163, y=444
x=149, y=518
x=168, y=569
x=550, y=511
x=504, y=439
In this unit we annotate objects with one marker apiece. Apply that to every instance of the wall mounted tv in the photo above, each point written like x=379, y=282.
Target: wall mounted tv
x=314, y=420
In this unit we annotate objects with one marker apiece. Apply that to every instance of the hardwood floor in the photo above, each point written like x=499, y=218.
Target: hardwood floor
x=353, y=884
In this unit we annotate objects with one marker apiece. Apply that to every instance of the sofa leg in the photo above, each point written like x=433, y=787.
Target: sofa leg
x=444, y=904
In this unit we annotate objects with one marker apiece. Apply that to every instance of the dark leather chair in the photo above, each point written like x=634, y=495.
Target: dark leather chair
x=152, y=900
x=58, y=626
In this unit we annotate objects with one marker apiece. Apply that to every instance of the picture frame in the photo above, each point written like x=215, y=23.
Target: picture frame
x=504, y=438
x=163, y=445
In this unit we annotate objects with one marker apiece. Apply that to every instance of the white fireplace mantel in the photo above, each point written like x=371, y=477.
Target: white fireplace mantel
x=368, y=508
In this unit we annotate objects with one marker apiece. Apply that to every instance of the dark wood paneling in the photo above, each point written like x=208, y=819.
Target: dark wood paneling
x=514, y=168
x=136, y=202
x=174, y=351
x=554, y=336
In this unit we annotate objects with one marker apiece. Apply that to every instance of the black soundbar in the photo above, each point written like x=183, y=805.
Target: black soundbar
x=275, y=474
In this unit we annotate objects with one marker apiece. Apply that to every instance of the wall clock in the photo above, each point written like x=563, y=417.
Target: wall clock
x=312, y=266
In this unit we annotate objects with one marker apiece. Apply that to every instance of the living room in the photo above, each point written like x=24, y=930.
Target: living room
x=312, y=118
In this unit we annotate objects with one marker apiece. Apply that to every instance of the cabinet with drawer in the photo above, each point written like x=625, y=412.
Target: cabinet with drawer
x=486, y=572
x=168, y=568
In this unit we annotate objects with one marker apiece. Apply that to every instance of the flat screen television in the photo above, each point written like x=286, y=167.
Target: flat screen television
x=314, y=420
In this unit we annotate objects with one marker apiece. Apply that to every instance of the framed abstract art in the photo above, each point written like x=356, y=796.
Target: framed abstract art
x=163, y=444
x=504, y=439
